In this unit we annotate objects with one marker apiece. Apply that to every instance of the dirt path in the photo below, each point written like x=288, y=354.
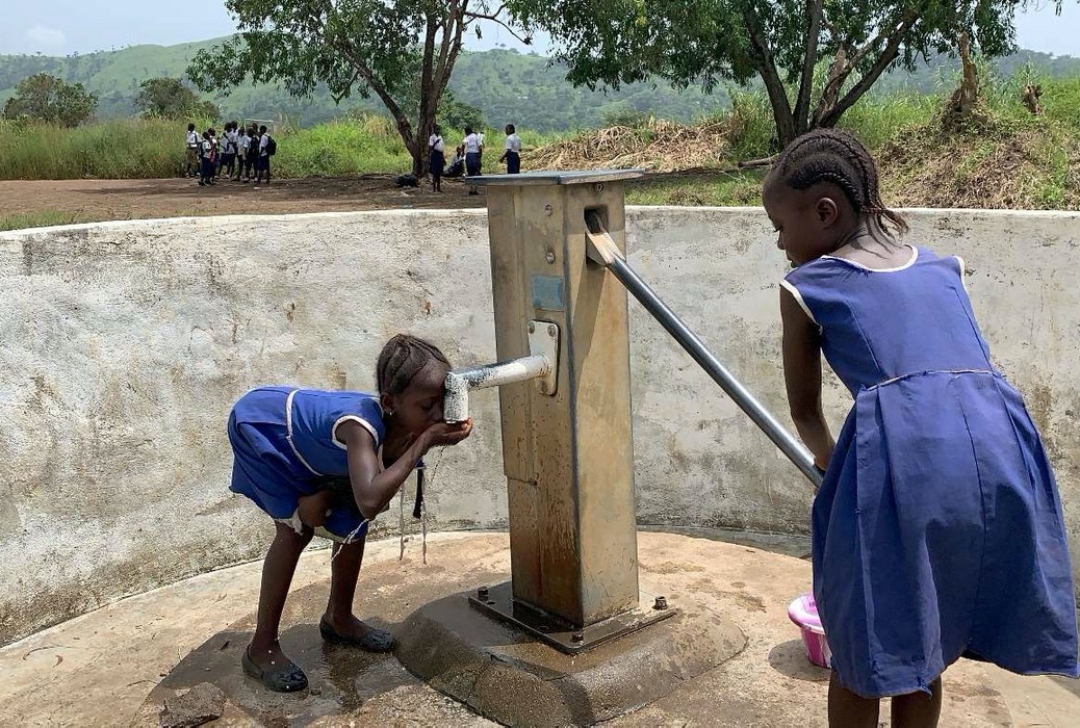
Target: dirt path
x=125, y=199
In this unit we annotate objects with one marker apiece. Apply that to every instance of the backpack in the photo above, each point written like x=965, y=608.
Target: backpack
x=271, y=146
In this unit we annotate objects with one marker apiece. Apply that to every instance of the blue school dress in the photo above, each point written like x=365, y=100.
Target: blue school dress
x=938, y=531
x=284, y=447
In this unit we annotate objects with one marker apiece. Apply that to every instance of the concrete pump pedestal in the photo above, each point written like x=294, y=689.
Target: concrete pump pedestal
x=510, y=677
x=118, y=666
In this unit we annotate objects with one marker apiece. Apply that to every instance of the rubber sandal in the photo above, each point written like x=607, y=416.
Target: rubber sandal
x=288, y=678
x=374, y=640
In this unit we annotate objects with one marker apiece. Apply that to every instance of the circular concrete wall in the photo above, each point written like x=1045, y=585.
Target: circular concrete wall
x=126, y=343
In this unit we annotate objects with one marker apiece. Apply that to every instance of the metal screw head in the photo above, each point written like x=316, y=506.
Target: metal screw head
x=599, y=187
x=482, y=593
x=548, y=210
x=550, y=256
x=553, y=330
x=532, y=328
x=660, y=603
x=577, y=637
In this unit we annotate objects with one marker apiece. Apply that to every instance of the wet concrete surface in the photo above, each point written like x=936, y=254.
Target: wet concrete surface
x=118, y=665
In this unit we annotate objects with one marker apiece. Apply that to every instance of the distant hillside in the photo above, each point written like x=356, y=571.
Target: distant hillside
x=506, y=85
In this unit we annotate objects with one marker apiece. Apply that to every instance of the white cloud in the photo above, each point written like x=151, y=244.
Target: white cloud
x=49, y=37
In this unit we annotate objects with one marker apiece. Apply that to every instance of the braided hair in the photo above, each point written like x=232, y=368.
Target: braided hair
x=402, y=358
x=831, y=155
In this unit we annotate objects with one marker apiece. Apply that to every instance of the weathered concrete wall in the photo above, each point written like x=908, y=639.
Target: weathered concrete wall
x=124, y=345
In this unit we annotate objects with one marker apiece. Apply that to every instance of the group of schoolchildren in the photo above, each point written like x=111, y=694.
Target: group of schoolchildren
x=239, y=154
x=937, y=528
x=468, y=158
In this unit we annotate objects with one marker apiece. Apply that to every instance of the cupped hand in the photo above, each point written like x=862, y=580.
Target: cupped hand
x=444, y=433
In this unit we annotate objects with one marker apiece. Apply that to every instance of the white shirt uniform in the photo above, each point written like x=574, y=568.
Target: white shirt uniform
x=263, y=141
x=472, y=144
x=513, y=144
x=436, y=143
x=193, y=139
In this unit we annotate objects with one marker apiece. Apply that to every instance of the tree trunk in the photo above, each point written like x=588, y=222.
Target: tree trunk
x=806, y=83
x=774, y=86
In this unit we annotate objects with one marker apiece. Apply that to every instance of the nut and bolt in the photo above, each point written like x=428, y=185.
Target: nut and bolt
x=532, y=328
x=553, y=330
x=599, y=187
x=550, y=256
x=577, y=637
x=482, y=593
x=660, y=603
x=548, y=210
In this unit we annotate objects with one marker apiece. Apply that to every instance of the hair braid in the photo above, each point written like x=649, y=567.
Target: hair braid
x=402, y=358
x=831, y=155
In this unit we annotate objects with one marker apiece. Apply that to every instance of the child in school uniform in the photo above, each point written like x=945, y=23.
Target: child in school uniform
x=253, y=152
x=295, y=448
x=243, y=142
x=262, y=163
x=438, y=158
x=512, y=155
x=206, y=160
x=937, y=531
x=228, y=162
x=192, y=152
x=470, y=149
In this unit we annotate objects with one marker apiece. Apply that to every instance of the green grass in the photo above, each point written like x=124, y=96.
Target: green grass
x=154, y=148
x=44, y=218
x=1006, y=158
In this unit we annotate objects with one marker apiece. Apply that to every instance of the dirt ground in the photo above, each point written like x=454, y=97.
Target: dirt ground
x=152, y=198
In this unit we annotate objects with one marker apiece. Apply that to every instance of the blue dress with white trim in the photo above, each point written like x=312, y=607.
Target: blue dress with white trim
x=938, y=530
x=284, y=447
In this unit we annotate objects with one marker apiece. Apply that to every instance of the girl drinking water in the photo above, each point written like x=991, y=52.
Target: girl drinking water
x=326, y=463
x=937, y=531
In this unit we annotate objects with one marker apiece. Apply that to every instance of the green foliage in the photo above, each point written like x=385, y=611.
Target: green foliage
x=169, y=98
x=48, y=99
x=626, y=115
x=402, y=51
x=45, y=218
x=781, y=43
x=528, y=90
x=456, y=115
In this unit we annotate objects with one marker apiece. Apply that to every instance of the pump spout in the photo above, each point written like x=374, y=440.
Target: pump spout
x=461, y=381
x=542, y=364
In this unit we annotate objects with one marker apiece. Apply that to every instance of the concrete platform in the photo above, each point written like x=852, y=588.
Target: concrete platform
x=116, y=666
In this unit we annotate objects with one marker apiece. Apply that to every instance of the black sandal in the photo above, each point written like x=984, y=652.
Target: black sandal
x=288, y=678
x=374, y=640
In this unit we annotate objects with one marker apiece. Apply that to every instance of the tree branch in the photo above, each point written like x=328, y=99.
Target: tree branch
x=888, y=55
x=494, y=18
x=785, y=126
x=806, y=83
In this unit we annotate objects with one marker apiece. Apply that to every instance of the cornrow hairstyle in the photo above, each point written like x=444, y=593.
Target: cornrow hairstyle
x=402, y=358
x=831, y=155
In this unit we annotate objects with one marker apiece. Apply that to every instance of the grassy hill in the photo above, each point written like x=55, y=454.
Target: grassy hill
x=528, y=89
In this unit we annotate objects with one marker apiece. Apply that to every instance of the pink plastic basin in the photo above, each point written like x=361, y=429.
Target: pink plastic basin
x=803, y=612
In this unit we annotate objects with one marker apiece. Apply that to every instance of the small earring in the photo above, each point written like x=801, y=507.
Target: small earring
x=389, y=413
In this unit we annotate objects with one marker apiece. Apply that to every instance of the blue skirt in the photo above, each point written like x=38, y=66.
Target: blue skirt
x=940, y=535
x=438, y=162
x=472, y=164
x=267, y=470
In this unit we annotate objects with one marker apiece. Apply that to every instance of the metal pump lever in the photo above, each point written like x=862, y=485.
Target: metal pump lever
x=603, y=251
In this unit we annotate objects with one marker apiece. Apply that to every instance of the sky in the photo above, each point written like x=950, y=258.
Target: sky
x=61, y=27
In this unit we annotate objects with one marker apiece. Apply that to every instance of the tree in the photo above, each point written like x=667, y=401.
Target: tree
x=780, y=41
x=403, y=51
x=49, y=99
x=456, y=114
x=169, y=98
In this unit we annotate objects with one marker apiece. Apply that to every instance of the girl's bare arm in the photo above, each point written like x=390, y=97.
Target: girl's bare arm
x=373, y=487
x=802, y=375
